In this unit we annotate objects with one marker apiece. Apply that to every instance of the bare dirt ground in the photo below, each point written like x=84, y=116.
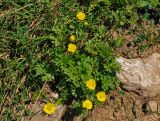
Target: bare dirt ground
x=130, y=107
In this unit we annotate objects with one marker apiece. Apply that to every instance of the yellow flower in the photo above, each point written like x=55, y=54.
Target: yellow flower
x=72, y=48
x=86, y=23
x=87, y=104
x=81, y=16
x=49, y=108
x=101, y=96
x=72, y=38
x=91, y=84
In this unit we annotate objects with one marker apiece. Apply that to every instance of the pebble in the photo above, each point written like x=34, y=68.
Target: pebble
x=152, y=105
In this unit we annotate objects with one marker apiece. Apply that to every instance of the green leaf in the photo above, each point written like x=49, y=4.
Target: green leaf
x=47, y=77
x=40, y=69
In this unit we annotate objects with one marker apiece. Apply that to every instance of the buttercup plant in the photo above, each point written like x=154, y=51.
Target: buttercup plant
x=81, y=16
x=49, y=108
x=87, y=104
x=91, y=84
x=101, y=96
x=64, y=45
x=72, y=48
x=72, y=38
x=94, y=58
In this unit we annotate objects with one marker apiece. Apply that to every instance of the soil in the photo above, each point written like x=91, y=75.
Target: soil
x=132, y=52
x=130, y=107
x=120, y=106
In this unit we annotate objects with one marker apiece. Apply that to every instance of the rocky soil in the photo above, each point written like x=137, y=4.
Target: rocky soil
x=138, y=98
x=130, y=107
x=120, y=106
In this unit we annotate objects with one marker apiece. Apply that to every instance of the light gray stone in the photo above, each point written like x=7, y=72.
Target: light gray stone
x=141, y=74
x=37, y=108
x=59, y=113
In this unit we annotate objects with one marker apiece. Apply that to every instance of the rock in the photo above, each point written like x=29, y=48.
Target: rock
x=77, y=118
x=41, y=116
x=138, y=108
x=35, y=107
x=141, y=74
x=158, y=108
x=53, y=95
x=152, y=106
x=152, y=117
x=59, y=113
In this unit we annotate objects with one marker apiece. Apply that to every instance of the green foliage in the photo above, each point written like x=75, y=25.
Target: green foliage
x=34, y=41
